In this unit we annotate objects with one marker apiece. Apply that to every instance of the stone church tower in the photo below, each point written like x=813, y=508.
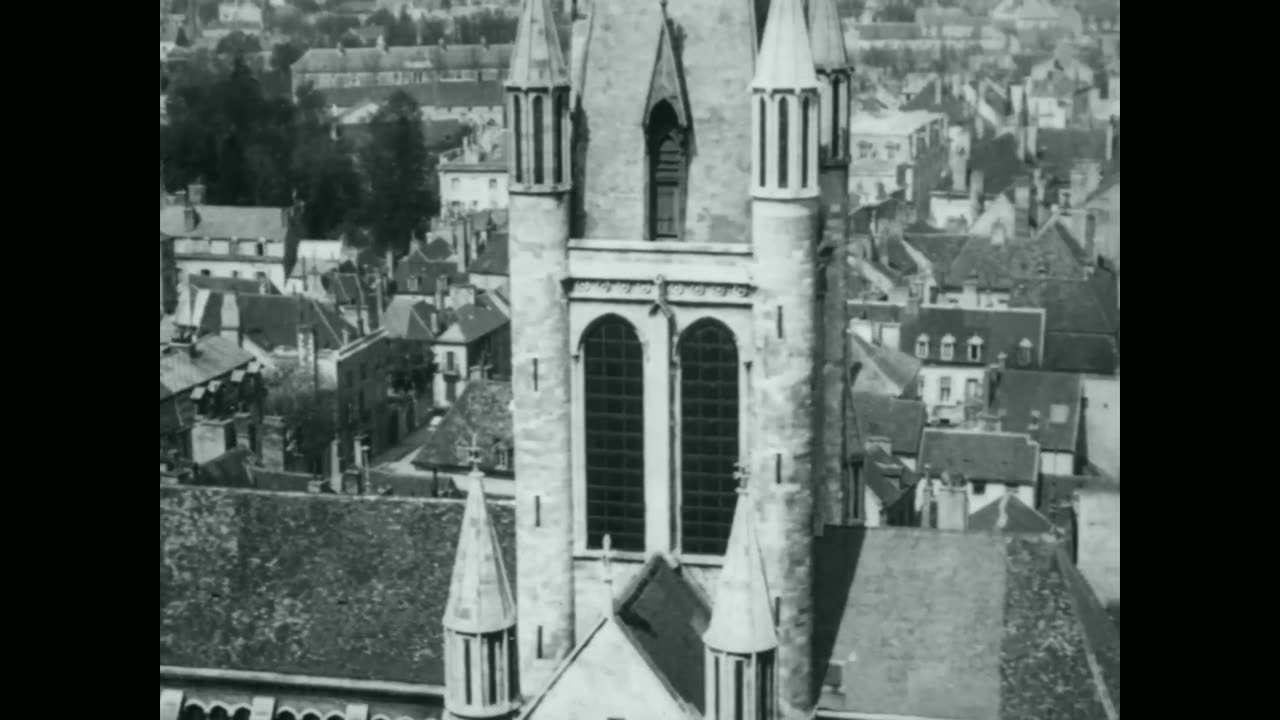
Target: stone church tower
x=682, y=334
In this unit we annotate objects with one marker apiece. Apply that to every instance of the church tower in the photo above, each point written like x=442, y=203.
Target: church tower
x=784, y=230
x=741, y=645
x=537, y=116
x=480, y=621
x=835, y=79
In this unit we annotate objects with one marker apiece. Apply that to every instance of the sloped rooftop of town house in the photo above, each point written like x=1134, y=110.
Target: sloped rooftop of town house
x=980, y=456
x=482, y=412
x=225, y=221
x=1057, y=396
x=214, y=356
x=324, y=585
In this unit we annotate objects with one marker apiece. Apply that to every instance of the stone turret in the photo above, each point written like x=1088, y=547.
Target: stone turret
x=537, y=91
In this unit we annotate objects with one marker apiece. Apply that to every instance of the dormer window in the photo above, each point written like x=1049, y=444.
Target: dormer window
x=975, y=349
x=948, y=347
x=922, y=346
x=1024, y=352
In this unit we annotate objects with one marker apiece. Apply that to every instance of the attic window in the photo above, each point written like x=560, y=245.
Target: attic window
x=975, y=349
x=922, y=346
x=1024, y=352
x=948, y=347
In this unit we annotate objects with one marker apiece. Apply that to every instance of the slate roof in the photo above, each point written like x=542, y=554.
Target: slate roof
x=324, y=585
x=939, y=248
x=928, y=99
x=271, y=321
x=971, y=626
x=901, y=421
x=1054, y=253
x=998, y=160
x=483, y=409
x=215, y=356
x=1004, y=458
x=1058, y=149
x=1009, y=515
x=408, y=318
x=1057, y=396
x=1001, y=330
x=474, y=321
x=887, y=476
x=494, y=260
x=395, y=58
x=225, y=221
x=1082, y=320
x=427, y=270
x=665, y=617
x=884, y=370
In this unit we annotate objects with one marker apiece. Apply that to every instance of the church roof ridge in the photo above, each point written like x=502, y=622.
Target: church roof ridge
x=536, y=60
x=785, y=61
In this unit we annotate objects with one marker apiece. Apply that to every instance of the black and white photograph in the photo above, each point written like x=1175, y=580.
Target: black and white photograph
x=639, y=359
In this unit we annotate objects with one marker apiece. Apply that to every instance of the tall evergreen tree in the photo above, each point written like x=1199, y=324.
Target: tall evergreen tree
x=397, y=164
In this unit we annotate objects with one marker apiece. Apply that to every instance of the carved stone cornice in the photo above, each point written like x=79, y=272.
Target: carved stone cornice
x=672, y=292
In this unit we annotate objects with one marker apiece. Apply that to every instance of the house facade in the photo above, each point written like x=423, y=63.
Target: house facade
x=225, y=241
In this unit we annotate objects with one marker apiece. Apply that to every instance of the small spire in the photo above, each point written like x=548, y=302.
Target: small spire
x=742, y=621
x=536, y=60
x=785, y=61
x=827, y=36
x=480, y=598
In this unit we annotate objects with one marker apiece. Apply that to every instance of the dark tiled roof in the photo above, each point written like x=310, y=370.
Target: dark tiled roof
x=433, y=57
x=427, y=271
x=346, y=288
x=1054, y=253
x=494, y=260
x=271, y=321
x=1082, y=353
x=485, y=410
x=1009, y=515
x=1005, y=458
x=1057, y=396
x=885, y=370
x=887, y=476
x=215, y=356
x=1072, y=305
x=940, y=249
x=227, y=285
x=665, y=618
x=901, y=421
x=1001, y=330
x=897, y=257
x=429, y=95
x=998, y=160
x=225, y=221
x=928, y=98
x=958, y=625
x=409, y=318
x=310, y=584
x=475, y=321
x=1058, y=149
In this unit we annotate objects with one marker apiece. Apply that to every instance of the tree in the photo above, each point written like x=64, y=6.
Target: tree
x=237, y=43
x=382, y=18
x=397, y=163
x=308, y=411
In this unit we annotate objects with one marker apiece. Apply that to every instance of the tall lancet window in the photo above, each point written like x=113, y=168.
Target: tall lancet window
x=557, y=137
x=708, y=436
x=804, y=142
x=763, y=141
x=613, y=384
x=835, y=116
x=783, y=131
x=517, y=138
x=539, y=143
x=667, y=172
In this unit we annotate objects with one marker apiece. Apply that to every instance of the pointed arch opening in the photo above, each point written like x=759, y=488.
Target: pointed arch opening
x=517, y=138
x=804, y=142
x=836, y=91
x=763, y=150
x=709, y=417
x=613, y=397
x=668, y=172
x=783, y=145
x=558, y=107
x=539, y=143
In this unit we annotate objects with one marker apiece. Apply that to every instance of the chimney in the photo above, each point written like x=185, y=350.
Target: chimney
x=382, y=43
x=959, y=170
x=461, y=295
x=190, y=218
x=976, y=202
x=346, y=335
x=335, y=467
x=442, y=286
x=1112, y=137
x=937, y=90
x=998, y=233
x=1038, y=192
x=953, y=504
x=210, y=438
x=1033, y=425
x=195, y=193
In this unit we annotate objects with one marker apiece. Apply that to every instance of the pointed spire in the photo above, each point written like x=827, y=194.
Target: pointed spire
x=785, y=61
x=827, y=36
x=536, y=60
x=742, y=621
x=480, y=598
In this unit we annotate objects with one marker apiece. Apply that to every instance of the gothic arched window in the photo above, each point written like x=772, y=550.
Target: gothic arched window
x=538, y=141
x=667, y=169
x=764, y=145
x=804, y=142
x=708, y=436
x=613, y=383
x=557, y=139
x=516, y=138
x=783, y=129
x=835, y=116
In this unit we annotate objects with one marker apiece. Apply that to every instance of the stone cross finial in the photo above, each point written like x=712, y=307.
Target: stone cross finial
x=473, y=452
x=743, y=476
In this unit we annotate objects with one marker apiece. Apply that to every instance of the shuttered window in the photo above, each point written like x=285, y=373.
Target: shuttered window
x=668, y=174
